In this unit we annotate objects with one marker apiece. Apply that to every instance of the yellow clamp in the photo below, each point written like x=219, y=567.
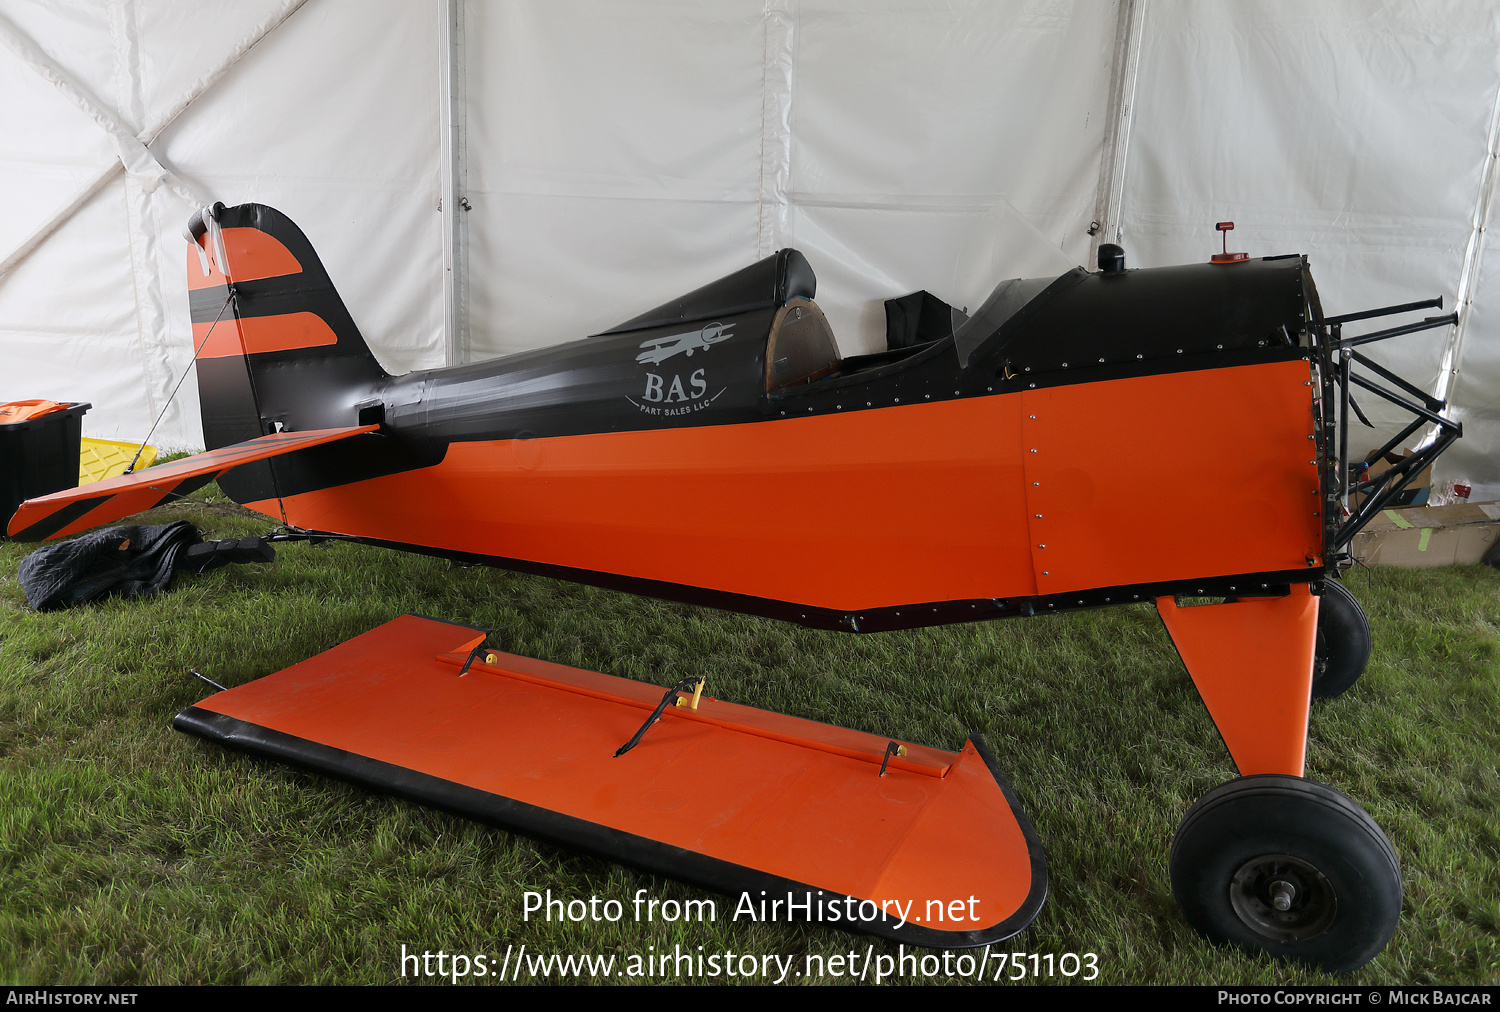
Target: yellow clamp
x=697, y=694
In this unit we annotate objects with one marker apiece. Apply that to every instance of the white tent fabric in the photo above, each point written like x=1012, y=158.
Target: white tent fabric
x=699, y=138
x=329, y=114
x=1356, y=133
x=620, y=154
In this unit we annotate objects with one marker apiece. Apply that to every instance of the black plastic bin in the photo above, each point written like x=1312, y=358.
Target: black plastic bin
x=39, y=455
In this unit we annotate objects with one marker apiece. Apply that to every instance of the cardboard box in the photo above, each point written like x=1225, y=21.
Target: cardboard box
x=1423, y=537
x=1415, y=494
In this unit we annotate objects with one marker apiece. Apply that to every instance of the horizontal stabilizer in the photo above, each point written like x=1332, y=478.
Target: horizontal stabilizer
x=790, y=816
x=77, y=509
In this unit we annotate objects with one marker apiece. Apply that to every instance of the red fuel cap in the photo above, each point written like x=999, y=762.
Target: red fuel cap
x=1227, y=257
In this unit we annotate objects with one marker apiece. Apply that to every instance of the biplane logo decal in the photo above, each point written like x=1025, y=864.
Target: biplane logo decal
x=675, y=394
x=659, y=349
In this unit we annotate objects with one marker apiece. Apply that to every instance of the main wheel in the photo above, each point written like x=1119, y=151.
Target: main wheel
x=1290, y=867
x=1343, y=647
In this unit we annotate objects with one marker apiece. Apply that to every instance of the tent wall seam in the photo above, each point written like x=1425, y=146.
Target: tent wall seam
x=146, y=281
x=777, y=57
x=1473, y=259
x=454, y=155
x=134, y=155
x=1129, y=31
x=107, y=172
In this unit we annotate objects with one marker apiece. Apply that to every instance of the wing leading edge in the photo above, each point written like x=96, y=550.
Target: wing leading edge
x=77, y=509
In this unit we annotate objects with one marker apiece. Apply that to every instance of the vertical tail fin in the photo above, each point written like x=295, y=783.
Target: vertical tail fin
x=274, y=345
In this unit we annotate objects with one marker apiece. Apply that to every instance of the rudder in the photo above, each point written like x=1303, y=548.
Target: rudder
x=274, y=345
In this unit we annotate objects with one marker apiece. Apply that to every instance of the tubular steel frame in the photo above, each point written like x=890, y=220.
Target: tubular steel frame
x=1335, y=356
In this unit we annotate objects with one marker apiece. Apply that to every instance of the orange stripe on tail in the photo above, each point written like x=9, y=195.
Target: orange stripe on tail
x=255, y=334
x=252, y=255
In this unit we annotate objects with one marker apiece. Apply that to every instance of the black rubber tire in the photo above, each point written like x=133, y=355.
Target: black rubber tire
x=1343, y=647
x=1244, y=840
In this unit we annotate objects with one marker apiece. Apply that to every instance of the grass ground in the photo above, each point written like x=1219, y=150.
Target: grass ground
x=130, y=853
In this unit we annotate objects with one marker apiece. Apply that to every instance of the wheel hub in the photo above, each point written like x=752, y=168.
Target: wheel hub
x=1283, y=898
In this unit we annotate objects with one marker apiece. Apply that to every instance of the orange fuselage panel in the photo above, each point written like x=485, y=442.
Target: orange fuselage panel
x=1178, y=476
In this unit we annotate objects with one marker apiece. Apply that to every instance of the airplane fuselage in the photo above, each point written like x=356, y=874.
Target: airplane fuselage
x=1120, y=437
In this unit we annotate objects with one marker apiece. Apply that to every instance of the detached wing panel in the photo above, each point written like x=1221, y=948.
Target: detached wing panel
x=77, y=509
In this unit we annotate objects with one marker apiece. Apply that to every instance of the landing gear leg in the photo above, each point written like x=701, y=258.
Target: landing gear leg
x=1252, y=661
x=1273, y=862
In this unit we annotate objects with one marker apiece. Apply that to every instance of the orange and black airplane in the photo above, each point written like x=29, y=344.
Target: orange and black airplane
x=719, y=450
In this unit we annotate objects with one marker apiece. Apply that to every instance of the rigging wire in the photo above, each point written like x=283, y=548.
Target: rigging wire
x=162, y=414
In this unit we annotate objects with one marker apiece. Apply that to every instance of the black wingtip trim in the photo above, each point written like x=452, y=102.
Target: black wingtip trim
x=611, y=844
